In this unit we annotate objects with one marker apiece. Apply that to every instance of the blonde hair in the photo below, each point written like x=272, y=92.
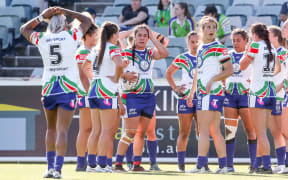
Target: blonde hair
x=205, y=20
x=57, y=23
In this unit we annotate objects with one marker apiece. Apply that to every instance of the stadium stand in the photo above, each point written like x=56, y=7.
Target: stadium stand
x=122, y=2
x=243, y=11
x=268, y=11
x=112, y=11
x=235, y=22
x=273, y=3
x=200, y=11
x=254, y=19
x=254, y=3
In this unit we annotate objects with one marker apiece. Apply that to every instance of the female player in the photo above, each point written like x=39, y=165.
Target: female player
x=276, y=39
x=186, y=62
x=103, y=93
x=140, y=99
x=211, y=58
x=85, y=124
x=236, y=101
x=57, y=47
x=262, y=56
x=284, y=120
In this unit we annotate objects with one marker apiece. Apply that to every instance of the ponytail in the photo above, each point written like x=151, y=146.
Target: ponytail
x=106, y=32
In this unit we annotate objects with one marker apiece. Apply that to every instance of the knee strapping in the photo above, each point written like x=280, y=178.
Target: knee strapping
x=231, y=126
x=126, y=139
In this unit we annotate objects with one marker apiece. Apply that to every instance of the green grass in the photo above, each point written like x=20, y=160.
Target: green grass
x=35, y=172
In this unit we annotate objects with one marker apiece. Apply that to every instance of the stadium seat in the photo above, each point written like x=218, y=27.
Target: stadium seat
x=111, y=18
x=235, y=21
x=159, y=68
x=162, y=30
x=254, y=3
x=12, y=23
x=151, y=21
x=177, y=42
x=149, y=3
x=200, y=10
x=31, y=6
x=273, y=2
x=242, y=11
x=222, y=3
x=122, y=2
x=112, y=11
x=254, y=19
x=152, y=10
x=17, y=11
x=268, y=11
x=174, y=51
x=4, y=37
x=228, y=43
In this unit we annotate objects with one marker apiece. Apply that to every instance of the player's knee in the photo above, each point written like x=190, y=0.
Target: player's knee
x=184, y=135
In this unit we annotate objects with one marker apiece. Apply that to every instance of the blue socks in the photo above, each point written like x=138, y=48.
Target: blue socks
x=81, y=162
x=181, y=157
x=286, y=162
x=102, y=161
x=202, y=161
x=266, y=162
x=109, y=162
x=222, y=162
x=59, y=163
x=252, y=148
x=137, y=160
x=119, y=159
x=230, y=149
x=129, y=153
x=152, y=149
x=258, y=162
x=280, y=154
x=51, y=159
x=92, y=160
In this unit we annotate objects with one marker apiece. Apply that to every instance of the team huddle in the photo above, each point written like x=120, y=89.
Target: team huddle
x=110, y=75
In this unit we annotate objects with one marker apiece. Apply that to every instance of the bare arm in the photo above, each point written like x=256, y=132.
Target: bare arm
x=87, y=69
x=169, y=76
x=277, y=67
x=244, y=62
x=121, y=19
x=27, y=28
x=228, y=71
x=139, y=18
x=123, y=35
x=83, y=78
x=193, y=89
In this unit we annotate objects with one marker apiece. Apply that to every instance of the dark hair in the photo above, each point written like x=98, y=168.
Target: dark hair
x=262, y=32
x=107, y=30
x=90, y=11
x=184, y=6
x=241, y=32
x=141, y=26
x=160, y=5
x=211, y=9
x=277, y=32
x=91, y=30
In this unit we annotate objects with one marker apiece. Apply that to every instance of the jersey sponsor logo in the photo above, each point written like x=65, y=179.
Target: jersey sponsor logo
x=226, y=101
x=132, y=111
x=236, y=68
x=182, y=107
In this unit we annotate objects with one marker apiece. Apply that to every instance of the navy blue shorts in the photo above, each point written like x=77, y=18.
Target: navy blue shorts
x=182, y=107
x=277, y=110
x=97, y=103
x=236, y=101
x=83, y=102
x=65, y=101
x=210, y=103
x=140, y=105
x=265, y=103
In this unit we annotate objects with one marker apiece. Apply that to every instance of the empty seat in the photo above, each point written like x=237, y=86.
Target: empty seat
x=273, y=2
x=235, y=22
x=149, y=3
x=122, y=2
x=268, y=11
x=111, y=18
x=254, y=19
x=17, y=11
x=159, y=68
x=228, y=43
x=13, y=23
x=253, y=3
x=242, y=11
x=112, y=11
x=177, y=42
x=4, y=37
x=162, y=30
x=174, y=51
x=152, y=10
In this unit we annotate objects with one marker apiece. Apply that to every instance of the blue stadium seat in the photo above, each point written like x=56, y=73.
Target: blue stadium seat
x=112, y=11
x=268, y=11
x=235, y=22
x=162, y=30
x=273, y=2
x=12, y=23
x=254, y=19
x=177, y=42
x=174, y=51
x=150, y=3
x=242, y=11
x=16, y=11
x=4, y=37
x=253, y=3
x=122, y=2
x=222, y=3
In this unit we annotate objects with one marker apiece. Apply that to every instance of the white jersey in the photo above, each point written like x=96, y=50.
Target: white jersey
x=143, y=64
x=263, y=70
x=92, y=58
x=281, y=76
x=239, y=80
x=187, y=62
x=210, y=58
x=58, y=54
x=105, y=87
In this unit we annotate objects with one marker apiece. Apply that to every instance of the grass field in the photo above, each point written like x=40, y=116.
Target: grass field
x=35, y=172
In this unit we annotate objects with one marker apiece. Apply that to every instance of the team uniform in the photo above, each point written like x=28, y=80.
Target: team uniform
x=103, y=92
x=140, y=101
x=61, y=75
x=262, y=87
x=81, y=55
x=237, y=85
x=278, y=79
x=162, y=17
x=176, y=30
x=224, y=26
x=209, y=60
x=187, y=62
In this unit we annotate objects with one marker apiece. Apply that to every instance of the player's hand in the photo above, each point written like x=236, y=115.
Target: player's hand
x=209, y=86
x=126, y=63
x=49, y=12
x=180, y=89
x=190, y=101
x=122, y=109
x=131, y=76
